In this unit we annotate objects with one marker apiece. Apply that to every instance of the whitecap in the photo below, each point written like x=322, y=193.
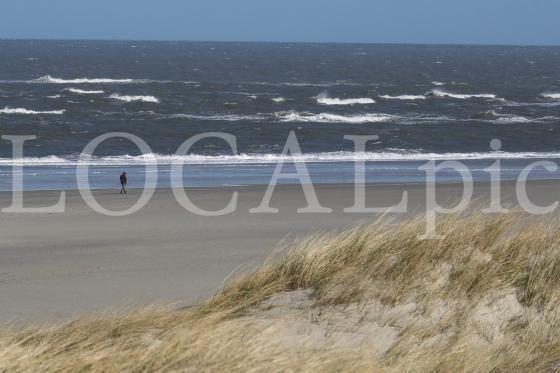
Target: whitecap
x=510, y=118
x=126, y=98
x=8, y=110
x=292, y=116
x=495, y=117
x=279, y=99
x=404, y=97
x=442, y=93
x=553, y=95
x=271, y=158
x=52, y=80
x=221, y=117
x=84, y=92
x=324, y=100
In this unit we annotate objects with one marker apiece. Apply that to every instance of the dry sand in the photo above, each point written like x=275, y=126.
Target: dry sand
x=59, y=266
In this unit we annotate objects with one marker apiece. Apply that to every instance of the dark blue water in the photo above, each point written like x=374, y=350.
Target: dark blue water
x=422, y=101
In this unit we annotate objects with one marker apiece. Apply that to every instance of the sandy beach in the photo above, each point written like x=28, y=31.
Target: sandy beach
x=59, y=266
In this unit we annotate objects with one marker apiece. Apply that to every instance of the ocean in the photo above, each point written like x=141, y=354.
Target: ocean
x=422, y=101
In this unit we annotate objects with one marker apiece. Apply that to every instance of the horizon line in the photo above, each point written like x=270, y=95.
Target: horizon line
x=283, y=42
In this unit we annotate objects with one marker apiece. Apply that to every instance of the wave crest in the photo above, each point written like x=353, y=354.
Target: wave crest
x=324, y=99
x=221, y=117
x=23, y=111
x=553, y=95
x=461, y=96
x=404, y=97
x=326, y=157
x=511, y=118
x=52, y=80
x=495, y=117
x=292, y=116
x=84, y=92
x=126, y=98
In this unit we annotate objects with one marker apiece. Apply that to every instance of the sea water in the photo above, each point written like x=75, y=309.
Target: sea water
x=423, y=102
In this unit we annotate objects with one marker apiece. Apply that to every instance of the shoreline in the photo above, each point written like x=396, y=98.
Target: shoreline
x=504, y=182
x=60, y=266
x=46, y=178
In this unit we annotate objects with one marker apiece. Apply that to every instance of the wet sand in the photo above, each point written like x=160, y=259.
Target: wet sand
x=59, y=266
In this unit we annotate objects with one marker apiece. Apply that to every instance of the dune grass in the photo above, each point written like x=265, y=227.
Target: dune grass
x=373, y=298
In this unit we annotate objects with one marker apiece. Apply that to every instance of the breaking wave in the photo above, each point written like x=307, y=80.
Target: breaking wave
x=553, y=95
x=442, y=93
x=135, y=98
x=494, y=117
x=52, y=80
x=306, y=117
x=8, y=110
x=334, y=118
x=84, y=92
x=326, y=157
x=404, y=97
x=510, y=118
x=323, y=99
x=221, y=117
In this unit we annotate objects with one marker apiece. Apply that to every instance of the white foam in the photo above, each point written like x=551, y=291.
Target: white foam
x=510, y=118
x=553, y=95
x=39, y=161
x=441, y=93
x=84, y=92
x=52, y=80
x=438, y=83
x=499, y=118
x=221, y=117
x=8, y=110
x=279, y=99
x=323, y=99
x=404, y=97
x=327, y=157
x=292, y=116
x=134, y=98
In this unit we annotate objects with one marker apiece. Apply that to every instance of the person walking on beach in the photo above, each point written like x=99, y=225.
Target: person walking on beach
x=123, y=183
